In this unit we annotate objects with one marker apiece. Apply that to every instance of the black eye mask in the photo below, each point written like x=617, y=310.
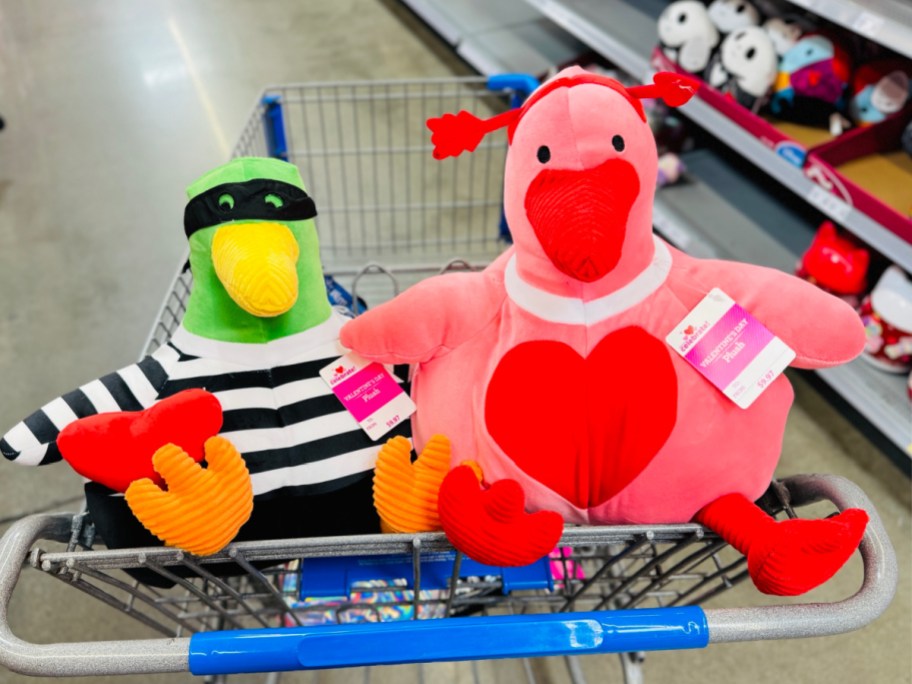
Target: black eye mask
x=248, y=200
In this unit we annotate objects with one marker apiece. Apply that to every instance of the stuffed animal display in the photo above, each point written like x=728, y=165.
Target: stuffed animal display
x=784, y=32
x=238, y=376
x=837, y=264
x=887, y=317
x=687, y=35
x=745, y=66
x=812, y=81
x=551, y=368
x=733, y=15
x=879, y=89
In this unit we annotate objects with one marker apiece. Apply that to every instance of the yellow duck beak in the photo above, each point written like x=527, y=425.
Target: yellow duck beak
x=256, y=263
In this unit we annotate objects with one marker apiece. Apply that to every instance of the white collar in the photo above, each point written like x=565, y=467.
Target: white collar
x=261, y=355
x=573, y=311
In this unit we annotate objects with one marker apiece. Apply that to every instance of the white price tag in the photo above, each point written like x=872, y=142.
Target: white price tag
x=730, y=348
x=368, y=391
x=829, y=204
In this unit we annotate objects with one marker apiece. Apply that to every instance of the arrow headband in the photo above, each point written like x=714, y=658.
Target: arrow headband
x=453, y=134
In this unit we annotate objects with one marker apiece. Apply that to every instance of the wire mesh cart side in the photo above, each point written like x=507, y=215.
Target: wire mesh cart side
x=561, y=628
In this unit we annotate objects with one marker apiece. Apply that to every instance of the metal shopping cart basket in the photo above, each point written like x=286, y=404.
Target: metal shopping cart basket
x=389, y=216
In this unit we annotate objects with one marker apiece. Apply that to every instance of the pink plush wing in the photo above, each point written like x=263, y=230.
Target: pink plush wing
x=822, y=329
x=429, y=319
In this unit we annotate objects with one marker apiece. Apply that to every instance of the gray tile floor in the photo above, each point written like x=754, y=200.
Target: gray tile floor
x=111, y=109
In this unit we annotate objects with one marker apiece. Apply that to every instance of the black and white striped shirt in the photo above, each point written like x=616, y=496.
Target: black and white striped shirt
x=278, y=412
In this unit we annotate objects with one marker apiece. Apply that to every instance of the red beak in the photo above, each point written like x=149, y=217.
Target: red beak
x=580, y=217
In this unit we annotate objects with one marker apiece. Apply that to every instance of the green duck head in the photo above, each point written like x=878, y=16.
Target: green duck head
x=254, y=253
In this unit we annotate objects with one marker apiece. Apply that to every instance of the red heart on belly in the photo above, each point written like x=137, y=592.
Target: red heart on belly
x=584, y=427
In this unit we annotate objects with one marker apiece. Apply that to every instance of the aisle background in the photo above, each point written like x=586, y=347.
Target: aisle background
x=112, y=108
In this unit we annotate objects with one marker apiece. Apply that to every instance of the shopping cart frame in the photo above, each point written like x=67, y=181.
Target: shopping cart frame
x=562, y=629
x=267, y=650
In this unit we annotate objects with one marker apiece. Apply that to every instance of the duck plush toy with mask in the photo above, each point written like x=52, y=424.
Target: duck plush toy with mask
x=554, y=371
x=237, y=383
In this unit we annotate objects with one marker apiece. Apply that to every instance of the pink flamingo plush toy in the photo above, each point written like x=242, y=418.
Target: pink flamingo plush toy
x=551, y=368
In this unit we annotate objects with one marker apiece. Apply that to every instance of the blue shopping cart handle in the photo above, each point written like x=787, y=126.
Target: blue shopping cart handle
x=415, y=641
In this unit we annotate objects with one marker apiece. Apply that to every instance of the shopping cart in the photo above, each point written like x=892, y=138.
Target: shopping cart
x=389, y=216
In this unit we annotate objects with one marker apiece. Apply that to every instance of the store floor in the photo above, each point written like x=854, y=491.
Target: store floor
x=111, y=108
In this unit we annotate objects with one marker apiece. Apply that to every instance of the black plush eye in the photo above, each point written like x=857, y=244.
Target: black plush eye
x=226, y=202
x=740, y=9
x=750, y=53
x=682, y=18
x=809, y=52
x=618, y=143
x=543, y=154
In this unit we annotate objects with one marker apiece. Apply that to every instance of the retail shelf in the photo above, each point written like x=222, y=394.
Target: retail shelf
x=455, y=21
x=533, y=47
x=435, y=15
x=625, y=33
x=699, y=217
x=627, y=44
x=888, y=22
x=880, y=397
x=498, y=37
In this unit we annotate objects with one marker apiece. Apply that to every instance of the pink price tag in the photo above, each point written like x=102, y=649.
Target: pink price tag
x=368, y=391
x=730, y=348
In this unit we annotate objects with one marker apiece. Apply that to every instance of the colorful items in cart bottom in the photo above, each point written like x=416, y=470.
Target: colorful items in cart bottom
x=372, y=601
x=887, y=317
x=837, y=264
x=560, y=379
x=563, y=566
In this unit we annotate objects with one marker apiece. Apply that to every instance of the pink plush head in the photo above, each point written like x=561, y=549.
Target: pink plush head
x=580, y=174
x=581, y=165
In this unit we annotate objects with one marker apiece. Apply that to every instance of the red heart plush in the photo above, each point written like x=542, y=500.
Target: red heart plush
x=115, y=449
x=585, y=428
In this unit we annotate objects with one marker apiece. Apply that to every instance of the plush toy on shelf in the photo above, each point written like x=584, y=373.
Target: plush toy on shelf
x=812, y=81
x=687, y=35
x=836, y=264
x=551, y=369
x=879, y=89
x=887, y=317
x=732, y=15
x=745, y=66
x=784, y=32
x=238, y=381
